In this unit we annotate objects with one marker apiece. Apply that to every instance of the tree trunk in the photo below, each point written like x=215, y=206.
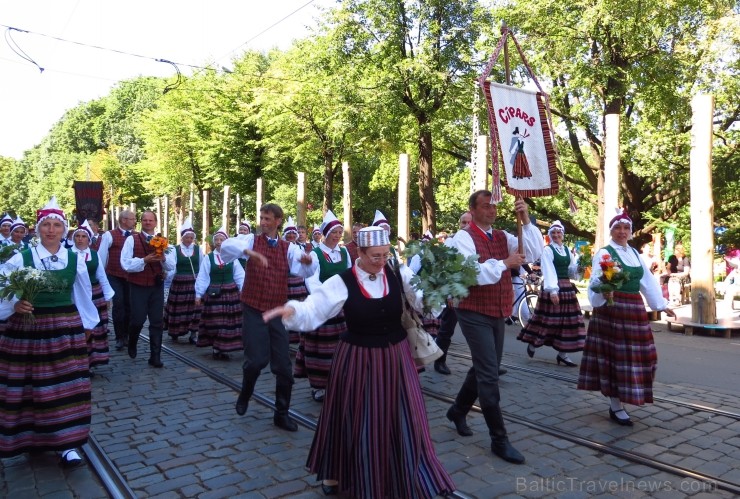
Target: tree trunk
x=426, y=184
x=328, y=180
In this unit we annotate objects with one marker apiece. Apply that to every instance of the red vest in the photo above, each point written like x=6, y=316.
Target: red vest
x=113, y=267
x=148, y=276
x=353, y=249
x=267, y=287
x=494, y=300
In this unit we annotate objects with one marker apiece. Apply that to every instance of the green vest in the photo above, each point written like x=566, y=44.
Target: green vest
x=632, y=285
x=66, y=277
x=560, y=262
x=327, y=268
x=221, y=275
x=92, y=267
x=187, y=265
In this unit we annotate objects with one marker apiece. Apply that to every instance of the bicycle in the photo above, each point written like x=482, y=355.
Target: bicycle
x=527, y=298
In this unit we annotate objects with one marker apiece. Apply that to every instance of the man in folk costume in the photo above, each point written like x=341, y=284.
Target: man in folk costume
x=316, y=349
x=270, y=260
x=18, y=231
x=352, y=246
x=481, y=314
x=109, y=253
x=5, y=223
x=146, y=272
x=181, y=314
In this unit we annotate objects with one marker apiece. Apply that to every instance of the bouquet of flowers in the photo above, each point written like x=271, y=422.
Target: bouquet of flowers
x=612, y=277
x=26, y=283
x=160, y=244
x=445, y=273
x=7, y=252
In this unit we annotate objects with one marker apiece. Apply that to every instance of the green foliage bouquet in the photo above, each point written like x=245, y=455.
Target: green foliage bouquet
x=445, y=273
x=7, y=252
x=26, y=283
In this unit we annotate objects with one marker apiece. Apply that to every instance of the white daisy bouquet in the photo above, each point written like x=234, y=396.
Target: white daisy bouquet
x=26, y=283
x=445, y=273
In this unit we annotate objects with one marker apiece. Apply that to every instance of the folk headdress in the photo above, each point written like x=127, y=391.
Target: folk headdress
x=556, y=225
x=381, y=221
x=51, y=210
x=84, y=229
x=620, y=218
x=18, y=222
x=6, y=220
x=372, y=236
x=221, y=231
x=316, y=230
x=245, y=223
x=290, y=227
x=329, y=223
x=187, y=226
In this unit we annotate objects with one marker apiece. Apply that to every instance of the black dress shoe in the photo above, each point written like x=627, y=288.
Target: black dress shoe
x=460, y=424
x=70, y=458
x=132, y=351
x=530, y=350
x=566, y=361
x=506, y=451
x=330, y=490
x=241, y=405
x=622, y=421
x=155, y=362
x=192, y=339
x=283, y=421
x=441, y=367
x=119, y=345
x=502, y=371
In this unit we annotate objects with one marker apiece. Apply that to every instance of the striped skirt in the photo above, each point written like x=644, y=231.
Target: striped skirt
x=373, y=434
x=296, y=291
x=430, y=324
x=97, y=345
x=44, y=382
x=181, y=316
x=221, y=320
x=619, y=358
x=316, y=351
x=559, y=326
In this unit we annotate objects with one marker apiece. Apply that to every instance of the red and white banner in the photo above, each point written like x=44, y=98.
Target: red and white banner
x=522, y=139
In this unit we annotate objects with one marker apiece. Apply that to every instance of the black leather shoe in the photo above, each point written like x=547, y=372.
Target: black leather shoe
x=192, y=339
x=566, y=361
x=502, y=371
x=241, y=405
x=132, y=351
x=330, y=490
x=70, y=458
x=507, y=452
x=155, y=362
x=441, y=367
x=283, y=421
x=621, y=421
x=119, y=345
x=460, y=424
x=530, y=350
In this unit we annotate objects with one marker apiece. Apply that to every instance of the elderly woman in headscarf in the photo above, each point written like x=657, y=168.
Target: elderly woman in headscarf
x=102, y=293
x=44, y=371
x=181, y=313
x=557, y=320
x=217, y=289
x=374, y=407
x=619, y=358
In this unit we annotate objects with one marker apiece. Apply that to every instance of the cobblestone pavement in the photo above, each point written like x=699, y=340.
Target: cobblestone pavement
x=173, y=432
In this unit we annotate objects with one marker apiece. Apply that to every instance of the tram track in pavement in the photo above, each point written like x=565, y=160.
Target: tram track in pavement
x=605, y=448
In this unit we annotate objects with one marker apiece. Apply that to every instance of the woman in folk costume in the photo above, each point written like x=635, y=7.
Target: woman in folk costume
x=296, y=284
x=181, y=314
x=5, y=224
x=316, y=236
x=521, y=165
x=18, y=231
x=217, y=289
x=619, y=358
x=373, y=436
x=244, y=229
x=102, y=294
x=44, y=370
x=316, y=349
x=557, y=320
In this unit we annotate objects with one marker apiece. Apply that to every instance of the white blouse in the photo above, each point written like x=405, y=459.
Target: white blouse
x=85, y=255
x=81, y=290
x=648, y=285
x=204, y=274
x=328, y=299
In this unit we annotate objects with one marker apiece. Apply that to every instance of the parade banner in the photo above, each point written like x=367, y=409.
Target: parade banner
x=521, y=135
x=89, y=201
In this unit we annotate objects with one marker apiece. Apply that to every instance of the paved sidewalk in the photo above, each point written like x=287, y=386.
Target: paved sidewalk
x=173, y=432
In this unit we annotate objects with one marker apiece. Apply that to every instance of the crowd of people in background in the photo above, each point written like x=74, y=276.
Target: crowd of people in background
x=259, y=291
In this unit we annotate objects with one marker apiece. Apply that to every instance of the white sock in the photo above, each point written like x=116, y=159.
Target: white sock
x=615, y=404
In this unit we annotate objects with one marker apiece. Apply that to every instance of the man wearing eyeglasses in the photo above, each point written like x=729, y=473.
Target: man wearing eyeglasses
x=481, y=314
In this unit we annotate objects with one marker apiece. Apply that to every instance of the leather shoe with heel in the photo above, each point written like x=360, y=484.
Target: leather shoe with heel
x=530, y=351
x=329, y=490
x=506, y=451
x=566, y=361
x=441, y=367
x=621, y=421
x=459, y=421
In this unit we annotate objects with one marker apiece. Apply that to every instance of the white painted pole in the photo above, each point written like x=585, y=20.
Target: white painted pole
x=259, y=203
x=347, y=201
x=480, y=168
x=611, y=175
x=300, y=213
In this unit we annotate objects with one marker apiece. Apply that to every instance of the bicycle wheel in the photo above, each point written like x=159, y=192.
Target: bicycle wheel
x=526, y=308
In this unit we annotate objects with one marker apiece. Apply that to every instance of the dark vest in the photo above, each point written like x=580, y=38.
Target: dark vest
x=113, y=267
x=187, y=265
x=561, y=262
x=65, y=276
x=92, y=266
x=494, y=300
x=632, y=285
x=373, y=322
x=327, y=268
x=220, y=274
x=267, y=287
x=152, y=273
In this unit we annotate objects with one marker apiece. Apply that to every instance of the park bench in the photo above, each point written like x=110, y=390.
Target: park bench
x=725, y=327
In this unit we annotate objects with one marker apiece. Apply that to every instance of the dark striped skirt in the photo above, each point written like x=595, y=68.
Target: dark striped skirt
x=97, y=345
x=619, y=358
x=373, y=434
x=44, y=382
x=316, y=351
x=181, y=316
x=430, y=324
x=559, y=326
x=221, y=320
x=296, y=291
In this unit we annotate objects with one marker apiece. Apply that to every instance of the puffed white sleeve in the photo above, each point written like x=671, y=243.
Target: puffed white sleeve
x=549, y=274
x=596, y=299
x=7, y=307
x=104, y=284
x=239, y=275
x=415, y=264
x=490, y=271
x=322, y=304
x=233, y=248
x=295, y=253
x=532, y=242
x=82, y=297
x=105, y=241
x=129, y=262
x=204, y=277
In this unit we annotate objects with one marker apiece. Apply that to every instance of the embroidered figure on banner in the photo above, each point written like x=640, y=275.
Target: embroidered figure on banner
x=518, y=157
